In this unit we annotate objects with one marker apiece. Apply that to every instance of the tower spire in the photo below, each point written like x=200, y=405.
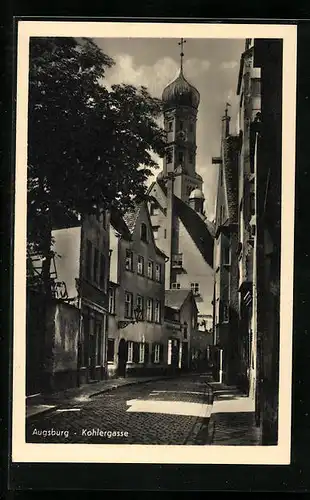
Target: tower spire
x=181, y=43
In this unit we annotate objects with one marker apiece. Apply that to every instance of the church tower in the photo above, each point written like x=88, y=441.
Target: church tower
x=180, y=103
x=180, y=226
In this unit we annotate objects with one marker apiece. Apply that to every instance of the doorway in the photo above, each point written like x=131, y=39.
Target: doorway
x=122, y=358
x=175, y=352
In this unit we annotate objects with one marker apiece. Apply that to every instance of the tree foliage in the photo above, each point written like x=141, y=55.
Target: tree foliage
x=87, y=145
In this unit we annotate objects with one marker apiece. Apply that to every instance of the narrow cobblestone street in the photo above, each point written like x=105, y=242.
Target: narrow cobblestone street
x=174, y=411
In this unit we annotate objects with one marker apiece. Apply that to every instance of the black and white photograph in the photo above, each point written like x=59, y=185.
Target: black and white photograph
x=154, y=225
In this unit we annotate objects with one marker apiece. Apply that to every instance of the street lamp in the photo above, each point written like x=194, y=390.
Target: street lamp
x=138, y=316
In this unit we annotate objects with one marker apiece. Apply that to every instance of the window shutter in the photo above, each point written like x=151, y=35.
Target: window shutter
x=136, y=352
x=153, y=353
x=146, y=352
x=126, y=350
x=161, y=353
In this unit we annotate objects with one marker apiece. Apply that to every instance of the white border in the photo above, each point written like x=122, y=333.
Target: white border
x=87, y=453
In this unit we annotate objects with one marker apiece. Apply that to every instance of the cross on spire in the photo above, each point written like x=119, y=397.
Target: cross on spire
x=181, y=43
x=226, y=108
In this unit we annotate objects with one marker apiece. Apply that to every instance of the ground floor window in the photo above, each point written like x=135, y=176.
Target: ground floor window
x=130, y=352
x=110, y=354
x=156, y=353
x=141, y=352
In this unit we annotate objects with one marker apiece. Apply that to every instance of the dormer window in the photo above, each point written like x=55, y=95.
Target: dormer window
x=143, y=232
x=154, y=209
x=195, y=289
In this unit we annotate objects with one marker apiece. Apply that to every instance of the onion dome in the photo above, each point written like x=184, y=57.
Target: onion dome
x=196, y=194
x=180, y=93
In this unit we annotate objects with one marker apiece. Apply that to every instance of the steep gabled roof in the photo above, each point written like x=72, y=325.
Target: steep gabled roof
x=201, y=230
x=119, y=224
x=176, y=298
x=197, y=229
x=125, y=225
x=230, y=170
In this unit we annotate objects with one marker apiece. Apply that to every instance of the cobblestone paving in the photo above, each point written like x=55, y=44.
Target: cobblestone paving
x=104, y=419
x=234, y=429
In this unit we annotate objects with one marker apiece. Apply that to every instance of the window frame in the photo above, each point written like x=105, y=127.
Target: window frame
x=158, y=272
x=195, y=287
x=141, y=350
x=157, y=308
x=130, y=351
x=149, y=302
x=142, y=304
x=150, y=265
x=175, y=287
x=111, y=300
x=129, y=255
x=142, y=263
x=131, y=305
x=156, y=353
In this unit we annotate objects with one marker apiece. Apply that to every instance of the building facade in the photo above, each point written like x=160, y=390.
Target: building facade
x=136, y=341
x=226, y=300
x=249, y=92
x=268, y=56
x=180, y=327
x=72, y=349
x=82, y=266
x=253, y=247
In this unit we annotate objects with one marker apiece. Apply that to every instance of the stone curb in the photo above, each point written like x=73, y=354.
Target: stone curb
x=101, y=391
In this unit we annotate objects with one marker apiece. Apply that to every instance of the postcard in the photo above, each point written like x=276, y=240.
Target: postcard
x=154, y=242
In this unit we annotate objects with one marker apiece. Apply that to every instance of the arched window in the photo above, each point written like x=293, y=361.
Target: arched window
x=143, y=232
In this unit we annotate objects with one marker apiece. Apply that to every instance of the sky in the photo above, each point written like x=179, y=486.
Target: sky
x=211, y=65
